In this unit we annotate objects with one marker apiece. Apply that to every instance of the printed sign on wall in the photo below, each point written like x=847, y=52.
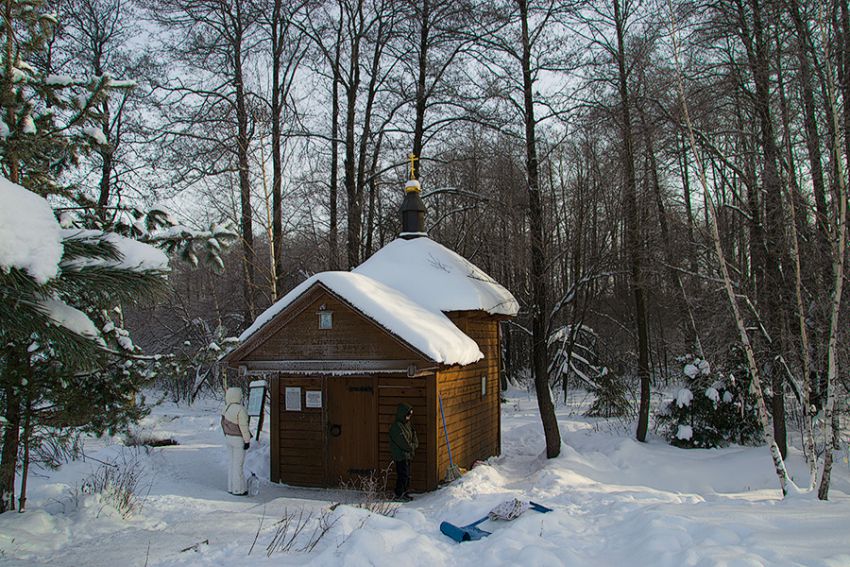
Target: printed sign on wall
x=292, y=399
x=313, y=398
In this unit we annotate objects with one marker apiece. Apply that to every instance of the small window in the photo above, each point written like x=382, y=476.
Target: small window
x=326, y=319
x=484, y=386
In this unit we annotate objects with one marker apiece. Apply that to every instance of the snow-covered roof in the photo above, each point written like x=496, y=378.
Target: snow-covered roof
x=426, y=329
x=29, y=234
x=437, y=278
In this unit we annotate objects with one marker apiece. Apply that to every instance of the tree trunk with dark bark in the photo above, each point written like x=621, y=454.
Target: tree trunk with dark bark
x=355, y=199
x=540, y=311
x=242, y=143
x=277, y=165
x=633, y=241
x=106, y=154
x=11, y=430
x=771, y=293
x=366, y=134
x=333, y=196
x=421, y=99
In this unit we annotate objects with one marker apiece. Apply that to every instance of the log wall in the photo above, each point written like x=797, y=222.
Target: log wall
x=352, y=337
x=418, y=393
x=299, y=440
x=472, y=419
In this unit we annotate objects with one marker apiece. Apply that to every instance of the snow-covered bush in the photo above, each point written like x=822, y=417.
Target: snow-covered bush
x=113, y=488
x=710, y=409
x=118, y=486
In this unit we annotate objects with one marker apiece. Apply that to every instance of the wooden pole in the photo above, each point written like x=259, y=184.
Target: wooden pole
x=261, y=416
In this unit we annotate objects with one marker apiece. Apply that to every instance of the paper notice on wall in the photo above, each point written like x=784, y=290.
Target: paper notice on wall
x=313, y=398
x=292, y=400
x=256, y=398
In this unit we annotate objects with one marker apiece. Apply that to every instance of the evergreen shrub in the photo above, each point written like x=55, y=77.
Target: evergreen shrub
x=711, y=408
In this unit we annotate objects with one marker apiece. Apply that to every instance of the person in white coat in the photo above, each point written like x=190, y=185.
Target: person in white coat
x=237, y=438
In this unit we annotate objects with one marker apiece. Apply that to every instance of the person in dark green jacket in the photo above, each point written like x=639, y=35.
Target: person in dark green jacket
x=403, y=444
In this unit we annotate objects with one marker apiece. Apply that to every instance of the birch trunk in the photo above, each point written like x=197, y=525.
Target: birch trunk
x=776, y=455
x=794, y=196
x=839, y=252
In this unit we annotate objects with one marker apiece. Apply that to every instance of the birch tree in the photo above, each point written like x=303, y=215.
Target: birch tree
x=838, y=229
x=732, y=298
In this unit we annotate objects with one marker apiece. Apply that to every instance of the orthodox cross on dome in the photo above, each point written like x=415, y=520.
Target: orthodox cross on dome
x=412, y=207
x=413, y=159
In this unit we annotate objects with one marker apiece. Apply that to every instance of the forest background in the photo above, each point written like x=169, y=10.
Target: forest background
x=657, y=182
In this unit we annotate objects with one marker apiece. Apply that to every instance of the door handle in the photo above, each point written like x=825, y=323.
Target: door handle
x=336, y=430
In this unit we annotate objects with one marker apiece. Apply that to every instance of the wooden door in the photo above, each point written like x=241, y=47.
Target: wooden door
x=352, y=423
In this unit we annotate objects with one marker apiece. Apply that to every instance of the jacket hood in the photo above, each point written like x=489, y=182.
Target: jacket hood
x=401, y=412
x=233, y=396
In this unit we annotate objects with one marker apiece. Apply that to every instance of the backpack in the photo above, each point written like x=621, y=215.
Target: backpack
x=229, y=427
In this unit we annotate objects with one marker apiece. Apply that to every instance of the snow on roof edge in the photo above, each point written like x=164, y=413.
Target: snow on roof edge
x=431, y=333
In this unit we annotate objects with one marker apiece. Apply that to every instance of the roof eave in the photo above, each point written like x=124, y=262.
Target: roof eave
x=234, y=359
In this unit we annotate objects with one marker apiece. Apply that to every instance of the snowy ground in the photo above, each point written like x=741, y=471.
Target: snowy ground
x=616, y=502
